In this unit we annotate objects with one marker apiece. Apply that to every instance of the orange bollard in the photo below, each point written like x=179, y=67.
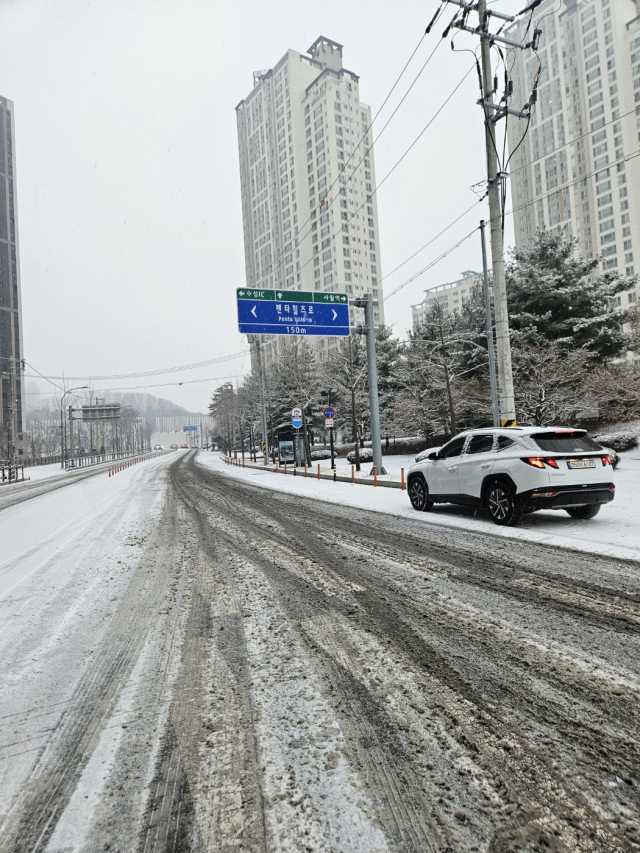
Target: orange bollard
x=318, y=470
x=375, y=476
x=276, y=467
x=402, y=485
x=353, y=474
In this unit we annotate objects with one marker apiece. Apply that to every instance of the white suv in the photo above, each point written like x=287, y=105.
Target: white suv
x=514, y=470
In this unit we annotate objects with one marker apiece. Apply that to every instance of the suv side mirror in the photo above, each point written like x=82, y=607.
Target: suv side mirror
x=432, y=456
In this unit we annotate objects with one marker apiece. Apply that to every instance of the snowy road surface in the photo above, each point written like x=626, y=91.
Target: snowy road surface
x=193, y=663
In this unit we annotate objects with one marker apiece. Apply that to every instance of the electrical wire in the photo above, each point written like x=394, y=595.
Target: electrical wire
x=394, y=167
x=325, y=207
x=570, y=142
x=278, y=260
x=433, y=239
x=159, y=372
x=566, y=186
x=430, y=265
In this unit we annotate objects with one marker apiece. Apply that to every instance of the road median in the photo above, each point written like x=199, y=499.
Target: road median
x=388, y=481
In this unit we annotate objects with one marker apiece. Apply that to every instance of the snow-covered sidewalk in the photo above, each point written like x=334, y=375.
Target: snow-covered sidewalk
x=614, y=532
x=38, y=472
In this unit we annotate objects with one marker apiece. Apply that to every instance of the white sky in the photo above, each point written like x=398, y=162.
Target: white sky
x=128, y=185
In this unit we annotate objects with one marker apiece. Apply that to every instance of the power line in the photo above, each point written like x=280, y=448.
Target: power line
x=277, y=262
x=573, y=183
x=142, y=387
x=159, y=372
x=430, y=265
x=394, y=167
x=433, y=239
x=570, y=142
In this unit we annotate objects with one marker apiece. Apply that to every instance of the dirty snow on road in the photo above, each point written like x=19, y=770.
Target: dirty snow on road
x=615, y=531
x=194, y=663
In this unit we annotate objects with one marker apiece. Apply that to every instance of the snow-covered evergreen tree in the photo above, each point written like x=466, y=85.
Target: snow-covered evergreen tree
x=564, y=299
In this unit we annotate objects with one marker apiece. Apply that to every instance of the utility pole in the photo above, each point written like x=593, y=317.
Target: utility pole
x=13, y=401
x=487, y=311
x=493, y=112
x=503, y=343
x=71, y=433
x=369, y=329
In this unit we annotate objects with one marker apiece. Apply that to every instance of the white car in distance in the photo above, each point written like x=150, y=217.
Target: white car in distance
x=515, y=470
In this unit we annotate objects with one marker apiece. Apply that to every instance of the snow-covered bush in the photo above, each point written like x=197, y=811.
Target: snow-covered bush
x=366, y=455
x=424, y=453
x=618, y=441
x=615, y=459
x=317, y=455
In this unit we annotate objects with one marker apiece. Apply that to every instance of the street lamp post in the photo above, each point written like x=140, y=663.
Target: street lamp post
x=62, y=432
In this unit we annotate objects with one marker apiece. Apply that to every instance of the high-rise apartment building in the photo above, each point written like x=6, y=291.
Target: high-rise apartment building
x=307, y=176
x=578, y=167
x=450, y=296
x=10, y=302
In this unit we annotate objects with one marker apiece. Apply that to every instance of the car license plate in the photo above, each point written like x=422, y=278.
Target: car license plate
x=581, y=463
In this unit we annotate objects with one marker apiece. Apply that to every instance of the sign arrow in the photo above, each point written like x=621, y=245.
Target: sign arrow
x=334, y=312
x=253, y=311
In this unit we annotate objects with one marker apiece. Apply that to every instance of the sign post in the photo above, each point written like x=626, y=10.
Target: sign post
x=329, y=413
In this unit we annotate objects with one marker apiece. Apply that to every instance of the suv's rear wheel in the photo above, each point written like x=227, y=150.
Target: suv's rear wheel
x=419, y=495
x=501, y=503
x=589, y=511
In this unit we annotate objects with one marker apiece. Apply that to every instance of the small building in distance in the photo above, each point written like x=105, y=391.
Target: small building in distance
x=449, y=296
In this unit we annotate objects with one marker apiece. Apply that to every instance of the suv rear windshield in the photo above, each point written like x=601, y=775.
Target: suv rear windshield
x=565, y=442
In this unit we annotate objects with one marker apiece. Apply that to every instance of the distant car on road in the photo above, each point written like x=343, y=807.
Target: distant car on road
x=158, y=447
x=515, y=470
x=184, y=446
x=173, y=447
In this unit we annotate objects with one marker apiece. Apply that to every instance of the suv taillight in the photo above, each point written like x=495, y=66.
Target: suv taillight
x=606, y=460
x=540, y=461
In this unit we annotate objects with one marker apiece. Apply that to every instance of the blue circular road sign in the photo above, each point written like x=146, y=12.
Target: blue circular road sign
x=329, y=412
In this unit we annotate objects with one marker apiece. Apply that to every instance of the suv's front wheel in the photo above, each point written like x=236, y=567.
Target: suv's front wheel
x=419, y=494
x=501, y=504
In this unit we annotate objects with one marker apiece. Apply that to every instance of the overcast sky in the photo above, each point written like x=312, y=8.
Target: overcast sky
x=128, y=185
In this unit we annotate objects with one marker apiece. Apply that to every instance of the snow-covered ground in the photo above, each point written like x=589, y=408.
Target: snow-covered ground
x=39, y=472
x=33, y=532
x=615, y=531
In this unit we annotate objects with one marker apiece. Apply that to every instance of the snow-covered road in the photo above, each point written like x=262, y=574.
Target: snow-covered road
x=192, y=663
x=614, y=532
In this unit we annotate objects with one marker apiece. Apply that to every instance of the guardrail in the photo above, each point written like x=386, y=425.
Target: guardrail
x=127, y=463
x=100, y=458
x=310, y=471
x=11, y=474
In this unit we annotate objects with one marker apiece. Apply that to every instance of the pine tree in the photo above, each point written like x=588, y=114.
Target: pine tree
x=560, y=296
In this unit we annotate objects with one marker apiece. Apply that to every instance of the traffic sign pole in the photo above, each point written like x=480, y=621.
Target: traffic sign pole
x=328, y=413
x=369, y=330
x=263, y=400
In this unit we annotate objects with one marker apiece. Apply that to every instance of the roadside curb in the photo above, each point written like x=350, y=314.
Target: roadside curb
x=310, y=472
